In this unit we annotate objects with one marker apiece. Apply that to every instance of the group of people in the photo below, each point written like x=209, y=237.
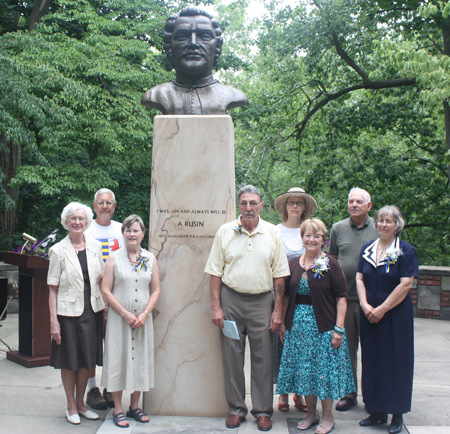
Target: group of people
x=322, y=304
x=303, y=335
x=98, y=265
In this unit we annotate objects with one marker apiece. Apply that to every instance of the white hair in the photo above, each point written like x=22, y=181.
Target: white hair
x=103, y=191
x=71, y=209
x=366, y=195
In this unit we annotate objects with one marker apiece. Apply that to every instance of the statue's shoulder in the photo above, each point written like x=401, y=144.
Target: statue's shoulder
x=159, y=97
x=236, y=97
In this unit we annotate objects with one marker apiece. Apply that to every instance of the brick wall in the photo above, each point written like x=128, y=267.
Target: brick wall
x=431, y=293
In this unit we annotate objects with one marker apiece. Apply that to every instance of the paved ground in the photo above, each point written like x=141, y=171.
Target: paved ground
x=33, y=401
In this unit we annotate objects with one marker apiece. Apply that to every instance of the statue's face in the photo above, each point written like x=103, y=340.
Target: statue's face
x=193, y=46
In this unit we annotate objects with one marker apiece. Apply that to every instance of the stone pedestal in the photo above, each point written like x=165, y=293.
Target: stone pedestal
x=192, y=194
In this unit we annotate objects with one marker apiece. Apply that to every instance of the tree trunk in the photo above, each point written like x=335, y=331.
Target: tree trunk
x=446, y=44
x=38, y=11
x=447, y=130
x=9, y=163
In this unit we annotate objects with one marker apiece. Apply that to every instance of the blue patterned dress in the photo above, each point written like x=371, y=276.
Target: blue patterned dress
x=309, y=364
x=277, y=344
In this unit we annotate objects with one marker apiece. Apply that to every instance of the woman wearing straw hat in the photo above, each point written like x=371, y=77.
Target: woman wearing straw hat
x=295, y=207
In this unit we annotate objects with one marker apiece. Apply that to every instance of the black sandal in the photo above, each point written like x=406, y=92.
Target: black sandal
x=138, y=414
x=120, y=417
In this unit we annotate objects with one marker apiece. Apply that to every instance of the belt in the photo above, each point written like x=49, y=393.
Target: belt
x=303, y=299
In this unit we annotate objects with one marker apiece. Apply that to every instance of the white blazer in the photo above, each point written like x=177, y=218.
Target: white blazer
x=65, y=272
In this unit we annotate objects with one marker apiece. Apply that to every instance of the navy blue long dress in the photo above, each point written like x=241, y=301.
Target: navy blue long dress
x=387, y=346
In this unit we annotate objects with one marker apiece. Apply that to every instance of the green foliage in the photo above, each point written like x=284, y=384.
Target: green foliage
x=386, y=141
x=71, y=89
x=70, y=97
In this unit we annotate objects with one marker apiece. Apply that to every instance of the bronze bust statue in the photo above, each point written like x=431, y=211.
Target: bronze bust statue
x=193, y=43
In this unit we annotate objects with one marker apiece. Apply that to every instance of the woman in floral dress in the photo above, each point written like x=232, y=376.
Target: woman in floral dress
x=315, y=361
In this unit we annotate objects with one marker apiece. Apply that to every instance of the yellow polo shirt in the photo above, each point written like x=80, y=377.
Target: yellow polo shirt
x=248, y=263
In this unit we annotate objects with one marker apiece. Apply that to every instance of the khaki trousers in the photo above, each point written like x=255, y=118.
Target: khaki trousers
x=252, y=315
x=352, y=319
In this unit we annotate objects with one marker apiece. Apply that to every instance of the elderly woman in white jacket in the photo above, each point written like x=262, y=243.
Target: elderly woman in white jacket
x=76, y=305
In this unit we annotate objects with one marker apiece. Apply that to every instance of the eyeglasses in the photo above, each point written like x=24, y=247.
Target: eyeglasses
x=74, y=219
x=292, y=203
x=312, y=236
x=386, y=222
x=105, y=203
x=252, y=204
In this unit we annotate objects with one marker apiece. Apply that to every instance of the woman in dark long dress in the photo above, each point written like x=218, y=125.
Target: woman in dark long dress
x=385, y=274
x=76, y=306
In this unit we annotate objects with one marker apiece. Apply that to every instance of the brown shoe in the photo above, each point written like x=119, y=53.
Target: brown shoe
x=234, y=421
x=95, y=399
x=346, y=403
x=108, y=398
x=264, y=423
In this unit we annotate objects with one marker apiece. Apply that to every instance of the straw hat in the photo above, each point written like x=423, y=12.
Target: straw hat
x=311, y=204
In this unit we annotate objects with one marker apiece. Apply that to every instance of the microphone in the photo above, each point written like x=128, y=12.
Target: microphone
x=45, y=242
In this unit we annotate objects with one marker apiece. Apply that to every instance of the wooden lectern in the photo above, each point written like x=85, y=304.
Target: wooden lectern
x=34, y=315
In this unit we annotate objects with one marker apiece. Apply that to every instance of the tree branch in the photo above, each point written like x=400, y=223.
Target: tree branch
x=435, y=44
x=381, y=84
x=347, y=59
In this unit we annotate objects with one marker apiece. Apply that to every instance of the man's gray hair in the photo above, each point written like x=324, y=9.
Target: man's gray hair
x=366, y=195
x=394, y=212
x=249, y=189
x=103, y=191
x=133, y=218
x=71, y=209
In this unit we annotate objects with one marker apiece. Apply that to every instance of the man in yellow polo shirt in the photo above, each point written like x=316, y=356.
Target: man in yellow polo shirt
x=247, y=258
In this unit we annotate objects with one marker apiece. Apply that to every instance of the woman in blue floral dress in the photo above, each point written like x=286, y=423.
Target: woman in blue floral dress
x=315, y=361
x=295, y=207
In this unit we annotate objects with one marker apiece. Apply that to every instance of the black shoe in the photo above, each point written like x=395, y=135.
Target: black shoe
x=374, y=419
x=396, y=425
x=346, y=403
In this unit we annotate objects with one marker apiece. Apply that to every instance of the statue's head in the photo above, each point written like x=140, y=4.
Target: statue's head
x=193, y=42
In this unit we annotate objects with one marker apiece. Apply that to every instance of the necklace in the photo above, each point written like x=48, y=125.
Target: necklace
x=381, y=251
x=78, y=247
x=135, y=262
x=305, y=274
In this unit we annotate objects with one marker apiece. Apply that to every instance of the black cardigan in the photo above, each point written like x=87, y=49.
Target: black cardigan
x=324, y=292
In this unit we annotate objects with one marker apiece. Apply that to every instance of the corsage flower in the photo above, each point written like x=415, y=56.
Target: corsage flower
x=142, y=261
x=238, y=228
x=320, y=266
x=392, y=254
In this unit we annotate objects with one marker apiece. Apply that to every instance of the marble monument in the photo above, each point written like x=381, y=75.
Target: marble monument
x=192, y=195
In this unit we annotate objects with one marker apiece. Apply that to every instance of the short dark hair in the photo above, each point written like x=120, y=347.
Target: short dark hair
x=191, y=11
